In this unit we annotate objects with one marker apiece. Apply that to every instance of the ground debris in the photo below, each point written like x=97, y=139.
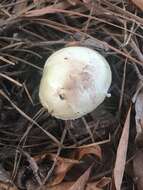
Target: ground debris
x=30, y=31
x=122, y=153
x=138, y=169
x=138, y=3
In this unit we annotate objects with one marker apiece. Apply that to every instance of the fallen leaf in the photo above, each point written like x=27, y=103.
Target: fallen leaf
x=121, y=153
x=138, y=169
x=82, y=180
x=97, y=185
x=68, y=185
x=63, y=165
x=138, y=3
x=88, y=149
x=7, y=186
x=78, y=185
x=62, y=186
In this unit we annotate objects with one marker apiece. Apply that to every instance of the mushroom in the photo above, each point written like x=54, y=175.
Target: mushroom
x=75, y=81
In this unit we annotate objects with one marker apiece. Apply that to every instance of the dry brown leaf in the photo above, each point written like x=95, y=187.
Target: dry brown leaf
x=67, y=185
x=61, y=186
x=82, y=180
x=92, y=186
x=89, y=149
x=138, y=169
x=138, y=3
x=78, y=185
x=63, y=165
x=121, y=153
x=7, y=186
x=98, y=185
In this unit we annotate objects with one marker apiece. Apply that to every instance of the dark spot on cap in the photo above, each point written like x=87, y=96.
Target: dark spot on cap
x=61, y=96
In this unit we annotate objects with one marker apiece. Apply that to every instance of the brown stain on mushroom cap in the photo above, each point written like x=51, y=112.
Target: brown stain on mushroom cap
x=79, y=82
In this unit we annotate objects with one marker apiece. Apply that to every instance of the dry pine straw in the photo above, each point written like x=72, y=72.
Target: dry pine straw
x=30, y=31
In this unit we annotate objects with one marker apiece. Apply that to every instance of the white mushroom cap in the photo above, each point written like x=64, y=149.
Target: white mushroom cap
x=75, y=81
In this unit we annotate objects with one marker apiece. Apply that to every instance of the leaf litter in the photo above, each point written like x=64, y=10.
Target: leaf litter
x=122, y=153
x=35, y=145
